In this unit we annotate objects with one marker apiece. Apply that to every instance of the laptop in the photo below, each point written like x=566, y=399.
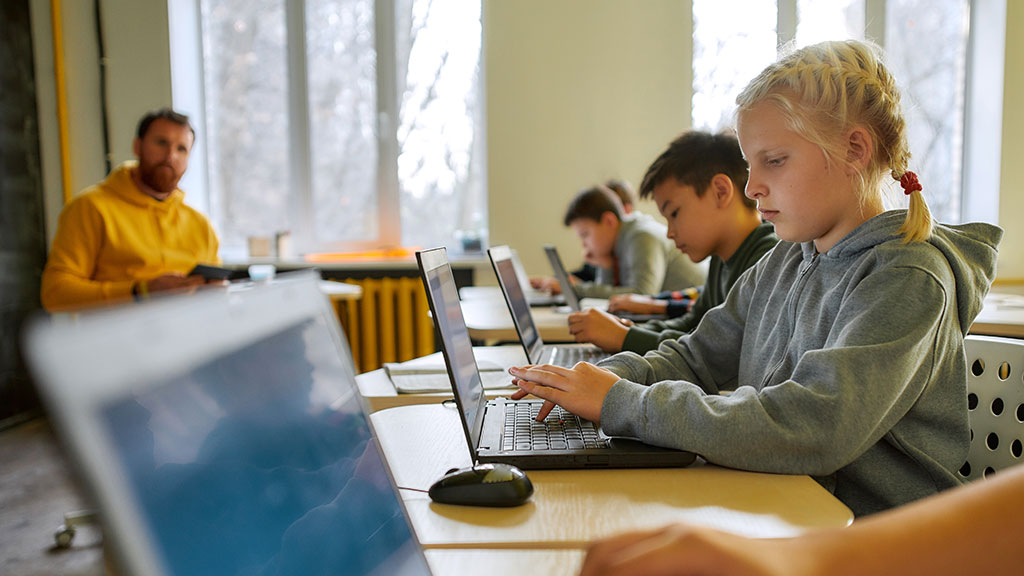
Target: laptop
x=223, y=433
x=573, y=301
x=502, y=430
x=503, y=261
x=533, y=296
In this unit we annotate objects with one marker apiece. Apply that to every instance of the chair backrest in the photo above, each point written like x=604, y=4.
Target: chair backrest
x=995, y=398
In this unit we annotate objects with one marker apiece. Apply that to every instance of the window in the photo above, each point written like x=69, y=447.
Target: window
x=926, y=44
x=353, y=124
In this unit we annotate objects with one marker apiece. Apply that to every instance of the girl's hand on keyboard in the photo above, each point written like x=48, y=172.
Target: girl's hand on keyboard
x=580, y=389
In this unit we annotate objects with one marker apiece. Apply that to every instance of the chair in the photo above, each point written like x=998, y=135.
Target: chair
x=995, y=399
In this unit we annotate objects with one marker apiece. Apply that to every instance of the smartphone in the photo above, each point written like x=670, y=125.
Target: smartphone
x=217, y=273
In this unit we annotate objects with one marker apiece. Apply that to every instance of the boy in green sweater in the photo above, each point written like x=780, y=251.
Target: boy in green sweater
x=697, y=184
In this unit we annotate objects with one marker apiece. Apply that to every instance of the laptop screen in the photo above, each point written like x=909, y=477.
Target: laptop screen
x=259, y=460
x=505, y=269
x=443, y=296
x=562, y=276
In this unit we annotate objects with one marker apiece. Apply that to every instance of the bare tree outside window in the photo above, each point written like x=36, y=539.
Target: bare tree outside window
x=248, y=100
x=926, y=45
x=440, y=162
x=245, y=79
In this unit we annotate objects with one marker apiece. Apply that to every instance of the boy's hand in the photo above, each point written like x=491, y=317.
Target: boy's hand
x=580, y=389
x=175, y=282
x=546, y=284
x=598, y=327
x=636, y=304
x=682, y=549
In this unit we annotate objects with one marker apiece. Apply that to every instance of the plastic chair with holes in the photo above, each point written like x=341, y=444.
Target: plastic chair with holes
x=995, y=399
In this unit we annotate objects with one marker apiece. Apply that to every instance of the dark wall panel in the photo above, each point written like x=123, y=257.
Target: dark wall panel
x=22, y=235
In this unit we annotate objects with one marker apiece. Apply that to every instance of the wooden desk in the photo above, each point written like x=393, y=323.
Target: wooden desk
x=489, y=320
x=380, y=393
x=569, y=508
x=1002, y=314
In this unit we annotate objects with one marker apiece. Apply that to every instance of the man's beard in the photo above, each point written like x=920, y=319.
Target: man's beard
x=159, y=177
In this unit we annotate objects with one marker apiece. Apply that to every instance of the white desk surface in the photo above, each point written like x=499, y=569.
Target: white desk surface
x=504, y=562
x=488, y=319
x=569, y=508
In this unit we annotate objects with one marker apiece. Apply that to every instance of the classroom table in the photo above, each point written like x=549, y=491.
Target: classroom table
x=569, y=508
x=488, y=320
x=1002, y=313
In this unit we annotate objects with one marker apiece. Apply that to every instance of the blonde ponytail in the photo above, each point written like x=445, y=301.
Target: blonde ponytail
x=918, y=225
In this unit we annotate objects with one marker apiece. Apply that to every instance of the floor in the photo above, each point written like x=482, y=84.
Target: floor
x=36, y=489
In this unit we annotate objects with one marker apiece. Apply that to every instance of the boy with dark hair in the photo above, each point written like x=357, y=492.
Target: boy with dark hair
x=630, y=252
x=697, y=184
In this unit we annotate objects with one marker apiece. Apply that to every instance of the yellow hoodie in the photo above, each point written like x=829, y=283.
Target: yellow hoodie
x=113, y=234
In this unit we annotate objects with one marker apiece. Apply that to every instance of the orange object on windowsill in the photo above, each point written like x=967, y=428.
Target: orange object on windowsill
x=402, y=253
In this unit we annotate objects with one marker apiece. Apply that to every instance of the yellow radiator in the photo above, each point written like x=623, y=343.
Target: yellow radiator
x=389, y=323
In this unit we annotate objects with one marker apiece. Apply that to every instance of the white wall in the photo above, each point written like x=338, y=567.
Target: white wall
x=578, y=91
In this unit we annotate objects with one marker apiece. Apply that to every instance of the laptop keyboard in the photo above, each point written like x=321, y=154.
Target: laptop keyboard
x=568, y=356
x=561, y=430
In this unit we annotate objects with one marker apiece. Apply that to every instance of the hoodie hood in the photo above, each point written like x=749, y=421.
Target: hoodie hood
x=969, y=249
x=120, y=183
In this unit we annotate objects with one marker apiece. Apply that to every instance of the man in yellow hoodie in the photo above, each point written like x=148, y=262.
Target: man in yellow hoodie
x=132, y=233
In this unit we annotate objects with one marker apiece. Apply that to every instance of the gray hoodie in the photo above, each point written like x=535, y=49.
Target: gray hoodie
x=848, y=366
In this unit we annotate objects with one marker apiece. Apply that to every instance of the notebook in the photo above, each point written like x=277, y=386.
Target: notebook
x=573, y=301
x=496, y=430
x=223, y=433
x=538, y=353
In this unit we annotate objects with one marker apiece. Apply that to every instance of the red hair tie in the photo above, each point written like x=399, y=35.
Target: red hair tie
x=909, y=182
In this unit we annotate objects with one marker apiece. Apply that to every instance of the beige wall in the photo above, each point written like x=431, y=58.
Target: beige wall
x=1011, y=188
x=138, y=79
x=577, y=91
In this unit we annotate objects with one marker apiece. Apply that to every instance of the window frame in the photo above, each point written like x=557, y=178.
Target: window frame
x=188, y=95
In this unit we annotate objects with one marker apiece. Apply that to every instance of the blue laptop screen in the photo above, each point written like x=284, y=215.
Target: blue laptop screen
x=262, y=462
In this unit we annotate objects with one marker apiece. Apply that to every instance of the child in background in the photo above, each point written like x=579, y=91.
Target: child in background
x=697, y=185
x=844, y=345
x=631, y=253
x=624, y=190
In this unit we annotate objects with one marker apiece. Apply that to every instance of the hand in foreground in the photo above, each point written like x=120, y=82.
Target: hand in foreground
x=598, y=327
x=546, y=284
x=681, y=550
x=637, y=304
x=580, y=389
x=174, y=282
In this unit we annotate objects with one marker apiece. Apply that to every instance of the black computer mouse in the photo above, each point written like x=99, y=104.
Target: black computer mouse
x=483, y=485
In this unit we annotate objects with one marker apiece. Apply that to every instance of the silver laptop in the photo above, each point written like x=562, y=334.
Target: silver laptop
x=533, y=296
x=223, y=433
x=502, y=260
x=501, y=430
x=573, y=301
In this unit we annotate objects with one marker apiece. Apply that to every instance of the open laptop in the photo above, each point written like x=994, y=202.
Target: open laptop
x=533, y=296
x=573, y=301
x=503, y=261
x=223, y=433
x=501, y=430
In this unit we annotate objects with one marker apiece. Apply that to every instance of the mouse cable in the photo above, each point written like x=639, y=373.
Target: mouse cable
x=414, y=489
